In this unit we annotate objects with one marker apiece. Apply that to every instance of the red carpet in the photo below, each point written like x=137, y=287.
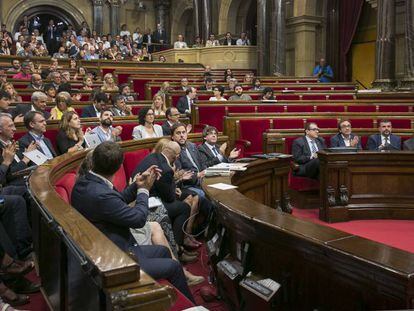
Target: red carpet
x=395, y=233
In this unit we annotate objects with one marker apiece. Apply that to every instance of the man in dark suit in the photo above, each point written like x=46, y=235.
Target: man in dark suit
x=35, y=123
x=39, y=102
x=304, y=151
x=148, y=40
x=100, y=103
x=184, y=103
x=160, y=35
x=208, y=85
x=95, y=198
x=228, y=40
x=51, y=40
x=211, y=153
x=409, y=144
x=384, y=140
x=345, y=138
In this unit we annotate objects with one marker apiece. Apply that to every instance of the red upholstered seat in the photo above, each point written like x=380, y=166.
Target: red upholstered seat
x=204, y=96
x=154, y=90
x=288, y=144
x=107, y=70
x=139, y=86
x=127, y=131
x=119, y=180
x=400, y=123
x=65, y=184
x=364, y=140
x=392, y=108
x=132, y=159
x=362, y=108
x=287, y=123
x=252, y=130
x=123, y=78
x=51, y=134
x=175, y=98
x=287, y=97
x=344, y=88
x=135, y=110
x=241, y=109
x=300, y=108
x=270, y=108
x=255, y=96
x=314, y=97
x=341, y=96
x=302, y=183
x=26, y=97
x=330, y=108
x=362, y=123
x=324, y=123
x=212, y=115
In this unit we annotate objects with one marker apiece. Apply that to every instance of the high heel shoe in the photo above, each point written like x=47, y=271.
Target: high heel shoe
x=13, y=267
x=11, y=298
x=193, y=279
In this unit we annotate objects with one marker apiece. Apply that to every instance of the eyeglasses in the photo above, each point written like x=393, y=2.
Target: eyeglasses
x=315, y=129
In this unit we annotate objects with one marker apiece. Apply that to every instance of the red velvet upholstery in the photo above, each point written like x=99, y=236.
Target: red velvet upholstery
x=138, y=86
x=344, y=88
x=330, y=108
x=300, y=108
x=212, y=115
x=288, y=144
x=341, y=96
x=302, y=183
x=135, y=110
x=26, y=97
x=51, y=134
x=287, y=123
x=174, y=99
x=131, y=160
x=123, y=78
x=252, y=130
x=364, y=140
x=324, y=123
x=287, y=97
x=65, y=185
x=127, y=131
x=392, y=108
x=400, y=123
x=204, y=96
x=270, y=108
x=314, y=97
x=240, y=109
x=255, y=96
x=362, y=108
x=107, y=70
x=362, y=123
x=119, y=180
x=154, y=90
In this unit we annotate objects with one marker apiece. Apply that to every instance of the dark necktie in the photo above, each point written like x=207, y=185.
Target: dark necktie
x=215, y=151
x=386, y=141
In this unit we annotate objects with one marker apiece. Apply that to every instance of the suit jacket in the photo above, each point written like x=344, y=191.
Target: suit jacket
x=164, y=188
x=207, y=156
x=89, y=112
x=24, y=108
x=225, y=42
x=409, y=144
x=6, y=172
x=301, y=151
x=166, y=128
x=49, y=33
x=338, y=141
x=108, y=209
x=182, y=104
x=374, y=141
x=26, y=140
x=185, y=163
x=145, y=39
x=157, y=37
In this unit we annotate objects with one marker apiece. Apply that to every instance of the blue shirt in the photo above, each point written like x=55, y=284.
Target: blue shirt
x=325, y=70
x=44, y=148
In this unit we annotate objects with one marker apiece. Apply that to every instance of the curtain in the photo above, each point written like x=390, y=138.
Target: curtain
x=349, y=14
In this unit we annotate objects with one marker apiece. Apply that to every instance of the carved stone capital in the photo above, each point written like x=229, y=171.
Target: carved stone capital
x=384, y=84
x=97, y=2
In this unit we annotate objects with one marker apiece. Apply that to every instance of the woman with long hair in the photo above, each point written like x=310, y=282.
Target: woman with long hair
x=9, y=88
x=109, y=83
x=70, y=137
x=158, y=105
x=146, y=127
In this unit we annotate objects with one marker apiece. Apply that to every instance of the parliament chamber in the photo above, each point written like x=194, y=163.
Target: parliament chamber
x=237, y=155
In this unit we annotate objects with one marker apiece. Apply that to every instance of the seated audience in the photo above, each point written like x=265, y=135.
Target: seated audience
x=5, y=100
x=164, y=90
x=50, y=91
x=109, y=83
x=56, y=78
x=184, y=84
x=228, y=74
x=87, y=84
x=36, y=83
x=70, y=136
x=208, y=85
x=267, y=94
x=100, y=102
x=212, y=41
x=80, y=73
x=146, y=127
x=35, y=123
x=173, y=116
x=243, y=40
x=232, y=82
x=238, y=89
x=63, y=104
x=105, y=131
x=15, y=66
x=9, y=88
x=25, y=72
x=323, y=71
x=185, y=102
x=158, y=106
x=94, y=197
x=180, y=44
x=60, y=53
x=345, y=138
x=218, y=92
x=248, y=78
x=125, y=90
x=384, y=140
x=228, y=40
x=304, y=151
x=38, y=100
x=211, y=153
x=120, y=108
x=198, y=43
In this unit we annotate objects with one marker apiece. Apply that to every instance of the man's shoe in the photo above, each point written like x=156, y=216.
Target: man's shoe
x=187, y=258
x=22, y=285
x=11, y=297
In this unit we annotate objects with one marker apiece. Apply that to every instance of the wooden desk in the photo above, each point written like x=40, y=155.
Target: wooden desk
x=366, y=185
x=318, y=267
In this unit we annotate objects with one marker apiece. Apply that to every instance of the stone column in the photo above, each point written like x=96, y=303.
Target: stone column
x=385, y=45
x=197, y=18
x=162, y=12
x=332, y=36
x=98, y=16
x=262, y=38
x=277, y=51
x=206, y=19
x=408, y=81
x=114, y=19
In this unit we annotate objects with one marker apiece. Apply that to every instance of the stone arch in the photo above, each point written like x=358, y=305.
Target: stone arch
x=63, y=9
x=233, y=16
x=181, y=21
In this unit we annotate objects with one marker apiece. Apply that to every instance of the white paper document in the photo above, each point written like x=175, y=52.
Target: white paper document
x=222, y=186
x=36, y=157
x=230, y=166
x=92, y=140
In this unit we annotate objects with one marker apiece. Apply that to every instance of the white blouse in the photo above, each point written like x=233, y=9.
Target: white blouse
x=139, y=132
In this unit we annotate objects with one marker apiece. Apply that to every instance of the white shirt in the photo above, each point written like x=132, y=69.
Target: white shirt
x=180, y=45
x=383, y=140
x=310, y=144
x=347, y=141
x=213, y=98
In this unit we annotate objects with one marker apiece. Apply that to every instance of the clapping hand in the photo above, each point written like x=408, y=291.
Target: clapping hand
x=8, y=153
x=146, y=179
x=354, y=141
x=234, y=153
